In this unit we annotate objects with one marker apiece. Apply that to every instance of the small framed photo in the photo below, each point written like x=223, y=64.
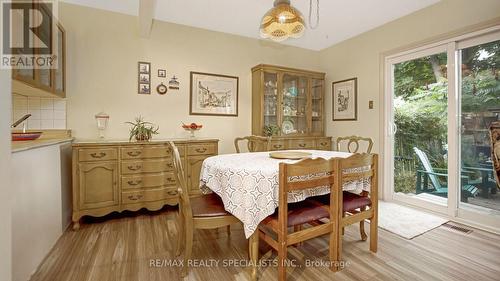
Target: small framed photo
x=144, y=67
x=162, y=73
x=345, y=100
x=144, y=78
x=213, y=94
x=144, y=89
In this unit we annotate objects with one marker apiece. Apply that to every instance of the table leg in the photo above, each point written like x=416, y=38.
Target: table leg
x=253, y=251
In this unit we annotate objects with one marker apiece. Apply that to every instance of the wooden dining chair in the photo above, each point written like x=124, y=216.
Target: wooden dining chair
x=254, y=143
x=357, y=208
x=274, y=230
x=202, y=212
x=356, y=141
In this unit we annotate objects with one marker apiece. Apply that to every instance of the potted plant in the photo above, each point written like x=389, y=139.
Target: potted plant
x=142, y=130
x=271, y=130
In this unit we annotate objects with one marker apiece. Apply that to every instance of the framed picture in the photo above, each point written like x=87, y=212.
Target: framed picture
x=144, y=78
x=162, y=73
x=213, y=94
x=144, y=67
x=345, y=100
x=144, y=89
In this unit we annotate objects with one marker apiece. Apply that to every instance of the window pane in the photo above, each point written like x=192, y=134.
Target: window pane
x=420, y=114
x=480, y=106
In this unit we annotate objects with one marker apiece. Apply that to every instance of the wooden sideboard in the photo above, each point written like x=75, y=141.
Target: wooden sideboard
x=118, y=176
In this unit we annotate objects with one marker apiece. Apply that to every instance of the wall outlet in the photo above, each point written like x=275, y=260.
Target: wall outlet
x=370, y=104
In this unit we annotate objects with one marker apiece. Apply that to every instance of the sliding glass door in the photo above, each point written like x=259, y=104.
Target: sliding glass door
x=479, y=77
x=420, y=104
x=440, y=102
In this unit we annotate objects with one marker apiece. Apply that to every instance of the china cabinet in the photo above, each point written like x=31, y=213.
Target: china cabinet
x=45, y=82
x=292, y=102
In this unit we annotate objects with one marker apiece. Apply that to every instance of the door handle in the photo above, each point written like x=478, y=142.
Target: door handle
x=133, y=183
x=134, y=153
x=100, y=155
x=134, y=168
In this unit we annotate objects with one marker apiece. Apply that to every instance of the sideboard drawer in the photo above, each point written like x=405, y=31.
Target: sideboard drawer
x=131, y=197
x=149, y=166
x=97, y=154
x=278, y=145
x=202, y=149
x=324, y=144
x=146, y=152
x=302, y=144
x=148, y=181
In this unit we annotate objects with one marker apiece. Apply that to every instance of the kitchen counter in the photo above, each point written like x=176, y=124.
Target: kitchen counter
x=18, y=146
x=49, y=137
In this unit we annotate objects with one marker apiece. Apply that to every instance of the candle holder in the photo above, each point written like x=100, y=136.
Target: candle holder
x=102, y=123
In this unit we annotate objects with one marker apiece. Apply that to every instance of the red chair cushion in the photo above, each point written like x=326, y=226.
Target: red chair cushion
x=209, y=205
x=351, y=201
x=300, y=213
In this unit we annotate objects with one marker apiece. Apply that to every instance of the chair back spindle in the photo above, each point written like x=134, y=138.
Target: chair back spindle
x=254, y=143
x=353, y=143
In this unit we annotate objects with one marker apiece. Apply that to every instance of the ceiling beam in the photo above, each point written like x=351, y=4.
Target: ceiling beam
x=146, y=14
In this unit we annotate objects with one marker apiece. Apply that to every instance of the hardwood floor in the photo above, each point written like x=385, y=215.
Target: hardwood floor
x=122, y=247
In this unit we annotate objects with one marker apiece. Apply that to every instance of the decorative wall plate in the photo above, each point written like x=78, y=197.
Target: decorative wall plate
x=161, y=89
x=287, y=127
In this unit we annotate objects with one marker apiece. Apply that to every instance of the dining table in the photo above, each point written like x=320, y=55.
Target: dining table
x=248, y=185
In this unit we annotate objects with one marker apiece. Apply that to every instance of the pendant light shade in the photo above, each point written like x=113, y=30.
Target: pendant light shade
x=282, y=21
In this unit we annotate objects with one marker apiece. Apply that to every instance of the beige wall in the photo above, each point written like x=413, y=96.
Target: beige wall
x=360, y=56
x=5, y=187
x=103, y=51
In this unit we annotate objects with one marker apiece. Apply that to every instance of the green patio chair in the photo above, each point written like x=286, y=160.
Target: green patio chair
x=428, y=172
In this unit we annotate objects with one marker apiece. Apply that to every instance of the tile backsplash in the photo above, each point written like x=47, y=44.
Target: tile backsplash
x=46, y=113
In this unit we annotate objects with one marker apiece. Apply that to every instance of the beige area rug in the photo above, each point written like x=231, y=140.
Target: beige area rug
x=406, y=222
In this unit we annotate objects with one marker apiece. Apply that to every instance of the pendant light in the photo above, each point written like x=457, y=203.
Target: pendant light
x=284, y=21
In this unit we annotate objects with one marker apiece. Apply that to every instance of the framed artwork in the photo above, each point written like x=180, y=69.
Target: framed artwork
x=162, y=73
x=345, y=100
x=144, y=67
x=213, y=94
x=144, y=78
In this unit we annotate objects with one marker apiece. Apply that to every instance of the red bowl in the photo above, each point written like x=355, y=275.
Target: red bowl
x=26, y=136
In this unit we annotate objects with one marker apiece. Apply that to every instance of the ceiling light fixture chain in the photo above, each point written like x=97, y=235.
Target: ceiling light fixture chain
x=311, y=26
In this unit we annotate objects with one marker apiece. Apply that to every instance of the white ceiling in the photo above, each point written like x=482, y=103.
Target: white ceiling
x=339, y=19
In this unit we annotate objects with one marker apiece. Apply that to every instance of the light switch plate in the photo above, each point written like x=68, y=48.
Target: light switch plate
x=370, y=104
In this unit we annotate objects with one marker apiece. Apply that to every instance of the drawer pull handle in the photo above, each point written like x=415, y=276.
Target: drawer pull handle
x=201, y=150
x=170, y=179
x=133, y=183
x=100, y=155
x=134, y=153
x=135, y=197
x=172, y=193
x=134, y=168
x=323, y=143
x=170, y=165
x=302, y=144
x=277, y=146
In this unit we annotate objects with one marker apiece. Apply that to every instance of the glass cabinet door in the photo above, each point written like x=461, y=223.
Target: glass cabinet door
x=270, y=99
x=317, y=88
x=294, y=109
x=45, y=34
x=59, y=71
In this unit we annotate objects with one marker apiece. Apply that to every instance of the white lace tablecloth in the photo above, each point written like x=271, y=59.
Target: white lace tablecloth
x=248, y=184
